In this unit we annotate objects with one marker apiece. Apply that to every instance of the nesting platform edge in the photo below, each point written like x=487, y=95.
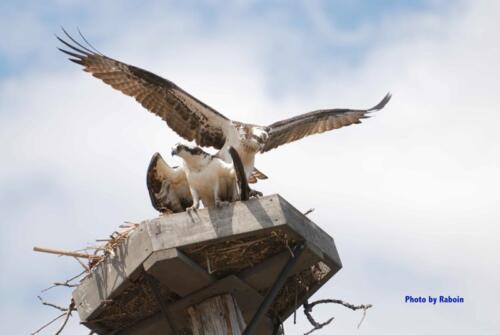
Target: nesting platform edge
x=237, y=249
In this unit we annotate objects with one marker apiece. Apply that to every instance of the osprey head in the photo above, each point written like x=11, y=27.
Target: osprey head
x=187, y=151
x=253, y=137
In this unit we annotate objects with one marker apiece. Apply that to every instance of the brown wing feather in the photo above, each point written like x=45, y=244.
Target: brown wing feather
x=186, y=115
x=168, y=187
x=255, y=176
x=316, y=122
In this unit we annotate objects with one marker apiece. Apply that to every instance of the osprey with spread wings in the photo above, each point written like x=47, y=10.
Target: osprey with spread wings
x=196, y=121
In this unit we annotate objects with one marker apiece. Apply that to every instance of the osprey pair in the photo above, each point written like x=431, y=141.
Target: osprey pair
x=202, y=177
x=196, y=121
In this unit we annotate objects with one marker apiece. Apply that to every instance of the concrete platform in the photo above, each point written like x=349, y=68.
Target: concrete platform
x=239, y=249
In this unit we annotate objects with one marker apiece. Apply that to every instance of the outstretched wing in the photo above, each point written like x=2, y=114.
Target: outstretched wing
x=316, y=122
x=186, y=115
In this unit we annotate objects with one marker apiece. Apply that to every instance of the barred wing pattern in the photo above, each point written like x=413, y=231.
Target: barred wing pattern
x=186, y=115
x=295, y=128
x=167, y=186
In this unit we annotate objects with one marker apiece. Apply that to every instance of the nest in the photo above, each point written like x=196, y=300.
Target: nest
x=220, y=259
x=297, y=286
x=233, y=256
x=137, y=302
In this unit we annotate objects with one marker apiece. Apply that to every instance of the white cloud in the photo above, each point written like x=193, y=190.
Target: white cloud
x=410, y=196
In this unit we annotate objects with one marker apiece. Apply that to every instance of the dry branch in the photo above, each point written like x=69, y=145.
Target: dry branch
x=67, y=313
x=66, y=283
x=71, y=308
x=115, y=240
x=87, y=269
x=64, y=253
x=318, y=325
x=62, y=309
x=48, y=324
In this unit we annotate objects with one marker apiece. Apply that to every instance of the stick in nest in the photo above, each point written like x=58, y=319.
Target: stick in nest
x=115, y=240
x=309, y=211
x=63, y=252
x=317, y=325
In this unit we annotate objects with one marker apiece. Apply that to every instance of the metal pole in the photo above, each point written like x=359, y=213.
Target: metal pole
x=273, y=292
x=153, y=283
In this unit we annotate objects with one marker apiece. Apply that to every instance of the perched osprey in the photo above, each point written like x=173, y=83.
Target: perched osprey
x=169, y=190
x=196, y=121
x=211, y=179
x=168, y=186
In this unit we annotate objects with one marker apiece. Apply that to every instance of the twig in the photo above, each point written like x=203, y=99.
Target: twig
x=209, y=269
x=116, y=238
x=62, y=309
x=66, y=283
x=340, y=302
x=363, y=317
x=83, y=265
x=317, y=325
x=314, y=323
x=67, y=313
x=90, y=247
x=309, y=211
x=48, y=324
x=71, y=308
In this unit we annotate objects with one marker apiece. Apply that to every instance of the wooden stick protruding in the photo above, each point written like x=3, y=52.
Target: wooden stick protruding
x=65, y=253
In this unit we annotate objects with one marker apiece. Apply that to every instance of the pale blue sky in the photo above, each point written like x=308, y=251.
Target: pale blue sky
x=410, y=196
x=33, y=20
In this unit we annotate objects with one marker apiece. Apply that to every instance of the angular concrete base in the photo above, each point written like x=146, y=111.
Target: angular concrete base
x=239, y=249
